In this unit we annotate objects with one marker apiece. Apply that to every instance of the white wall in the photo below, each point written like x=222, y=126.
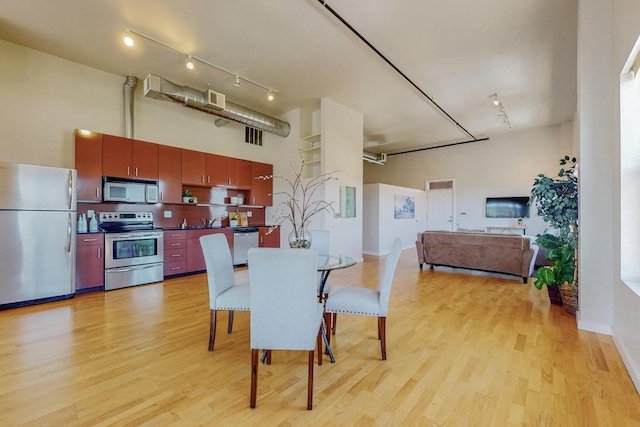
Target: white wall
x=380, y=225
x=595, y=103
x=45, y=98
x=626, y=301
x=371, y=219
x=342, y=130
x=506, y=165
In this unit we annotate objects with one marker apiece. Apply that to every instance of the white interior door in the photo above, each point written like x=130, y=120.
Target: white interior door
x=440, y=209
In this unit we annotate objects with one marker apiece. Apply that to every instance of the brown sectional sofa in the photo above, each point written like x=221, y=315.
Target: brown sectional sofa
x=500, y=253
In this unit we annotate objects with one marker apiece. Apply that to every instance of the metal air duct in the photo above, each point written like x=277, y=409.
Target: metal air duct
x=128, y=88
x=160, y=88
x=378, y=159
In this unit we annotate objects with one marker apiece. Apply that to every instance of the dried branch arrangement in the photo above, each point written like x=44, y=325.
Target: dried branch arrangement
x=299, y=206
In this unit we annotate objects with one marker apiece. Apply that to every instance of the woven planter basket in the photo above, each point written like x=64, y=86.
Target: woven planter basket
x=569, y=294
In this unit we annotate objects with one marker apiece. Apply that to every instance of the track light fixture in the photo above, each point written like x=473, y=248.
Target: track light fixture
x=501, y=111
x=128, y=40
x=189, y=63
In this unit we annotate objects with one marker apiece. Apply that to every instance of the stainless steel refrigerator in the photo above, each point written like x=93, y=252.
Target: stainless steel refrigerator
x=37, y=234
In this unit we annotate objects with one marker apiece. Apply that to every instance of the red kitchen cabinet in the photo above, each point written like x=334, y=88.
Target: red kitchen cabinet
x=195, y=257
x=261, y=190
x=175, y=252
x=144, y=160
x=239, y=173
x=170, y=174
x=216, y=170
x=88, y=162
x=128, y=158
x=270, y=240
x=89, y=262
x=193, y=167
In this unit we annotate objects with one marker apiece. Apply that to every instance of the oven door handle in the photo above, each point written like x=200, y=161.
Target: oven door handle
x=124, y=270
x=134, y=236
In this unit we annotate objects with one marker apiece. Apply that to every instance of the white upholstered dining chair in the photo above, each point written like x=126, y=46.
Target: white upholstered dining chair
x=224, y=293
x=285, y=312
x=365, y=301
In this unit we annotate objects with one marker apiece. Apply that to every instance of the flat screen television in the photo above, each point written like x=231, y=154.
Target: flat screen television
x=507, y=207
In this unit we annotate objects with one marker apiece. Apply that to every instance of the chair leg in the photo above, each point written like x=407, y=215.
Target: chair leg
x=230, y=327
x=212, y=329
x=327, y=326
x=310, y=382
x=254, y=377
x=382, y=322
x=268, y=357
x=319, y=345
x=334, y=319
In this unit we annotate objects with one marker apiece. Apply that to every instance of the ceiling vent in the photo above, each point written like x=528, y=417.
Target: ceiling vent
x=215, y=100
x=378, y=159
x=159, y=88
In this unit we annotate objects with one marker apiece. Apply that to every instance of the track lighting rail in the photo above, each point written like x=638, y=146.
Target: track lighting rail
x=191, y=58
x=392, y=65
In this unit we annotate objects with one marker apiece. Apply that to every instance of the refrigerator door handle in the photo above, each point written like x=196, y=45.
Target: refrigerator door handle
x=69, y=229
x=70, y=188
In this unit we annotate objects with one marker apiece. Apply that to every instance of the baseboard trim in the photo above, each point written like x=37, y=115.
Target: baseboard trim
x=371, y=253
x=632, y=368
x=593, y=327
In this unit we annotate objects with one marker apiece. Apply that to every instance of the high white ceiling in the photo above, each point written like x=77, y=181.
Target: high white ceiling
x=458, y=52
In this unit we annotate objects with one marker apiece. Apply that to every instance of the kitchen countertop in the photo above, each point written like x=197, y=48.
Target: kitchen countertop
x=202, y=227
x=192, y=227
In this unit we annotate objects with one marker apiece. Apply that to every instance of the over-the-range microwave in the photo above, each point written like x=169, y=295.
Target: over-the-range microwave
x=130, y=191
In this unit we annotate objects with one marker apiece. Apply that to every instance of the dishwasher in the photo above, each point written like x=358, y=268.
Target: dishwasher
x=244, y=238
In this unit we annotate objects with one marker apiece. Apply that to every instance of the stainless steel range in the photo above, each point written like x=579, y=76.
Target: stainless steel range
x=134, y=249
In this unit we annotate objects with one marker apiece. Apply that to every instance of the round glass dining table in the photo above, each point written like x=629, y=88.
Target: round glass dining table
x=328, y=263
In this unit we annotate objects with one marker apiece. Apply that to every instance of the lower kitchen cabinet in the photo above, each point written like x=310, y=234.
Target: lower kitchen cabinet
x=175, y=252
x=269, y=240
x=89, y=262
x=195, y=257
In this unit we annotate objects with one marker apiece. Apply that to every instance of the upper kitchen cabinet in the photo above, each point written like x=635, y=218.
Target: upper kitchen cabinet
x=170, y=174
x=203, y=169
x=128, y=158
x=211, y=170
x=88, y=162
x=193, y=172
x=239, y=174
x=261, y=189
x=216, y=170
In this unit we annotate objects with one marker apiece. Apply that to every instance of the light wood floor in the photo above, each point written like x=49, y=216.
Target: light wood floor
x=462, y=350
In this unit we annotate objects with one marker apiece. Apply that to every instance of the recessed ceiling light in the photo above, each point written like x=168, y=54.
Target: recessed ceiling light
x=270, y=95
x=128, y=40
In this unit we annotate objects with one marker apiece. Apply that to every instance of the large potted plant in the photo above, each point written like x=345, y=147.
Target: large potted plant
x=556, y=199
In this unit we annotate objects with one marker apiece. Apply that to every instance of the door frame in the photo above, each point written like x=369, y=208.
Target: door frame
x=439, y=182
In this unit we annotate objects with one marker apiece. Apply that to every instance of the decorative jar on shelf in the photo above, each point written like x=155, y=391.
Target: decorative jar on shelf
x=300, y=238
